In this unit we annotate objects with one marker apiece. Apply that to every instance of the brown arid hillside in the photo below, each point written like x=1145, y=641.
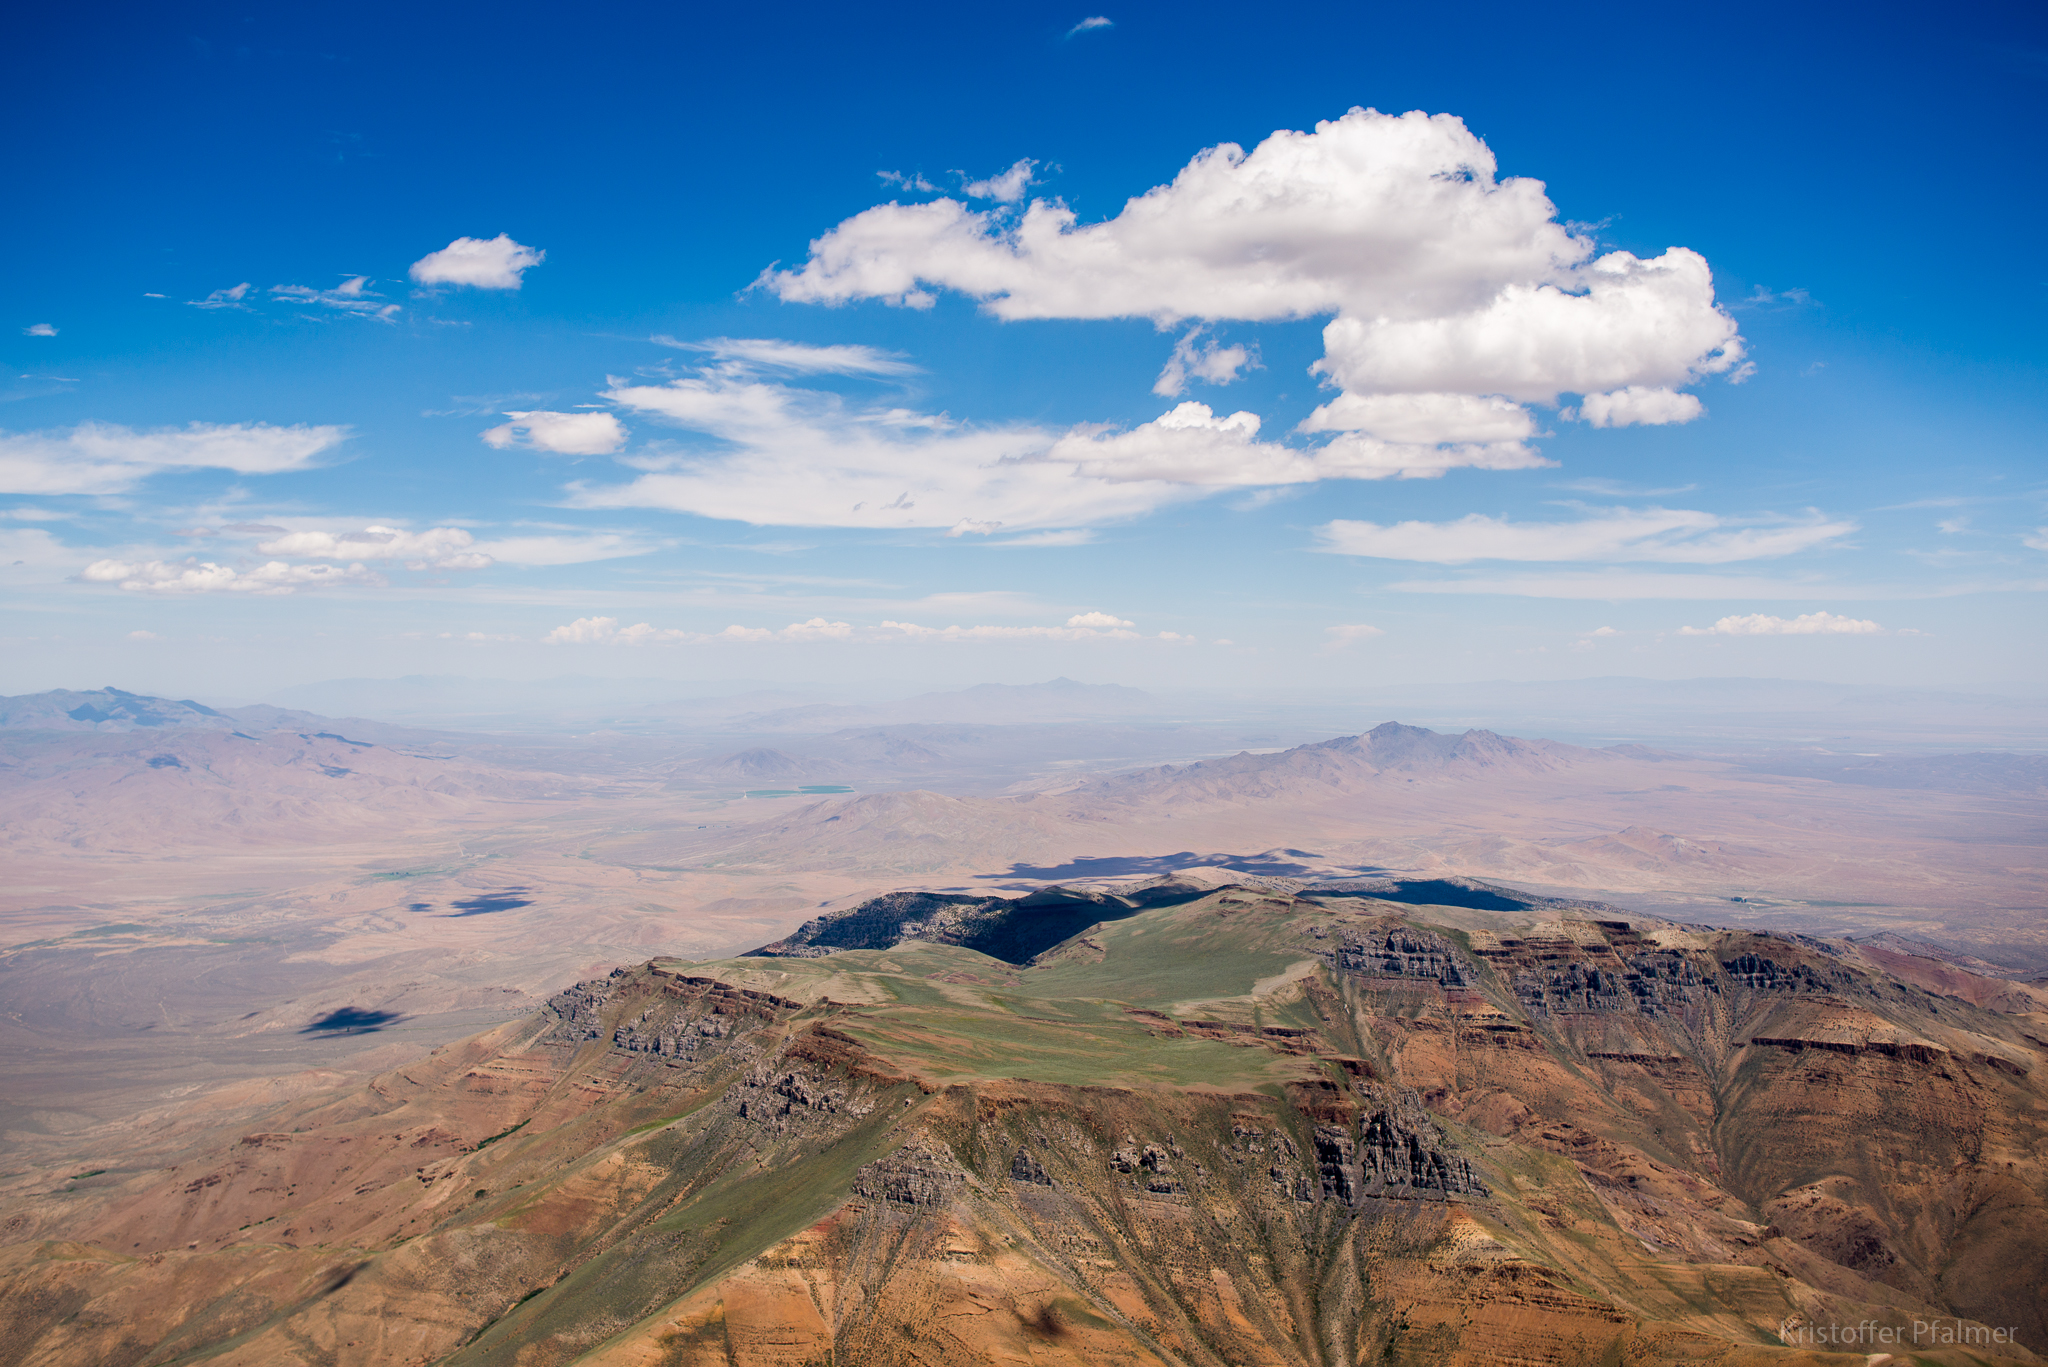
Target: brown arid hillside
x=1247, y=1124
x=152, y=792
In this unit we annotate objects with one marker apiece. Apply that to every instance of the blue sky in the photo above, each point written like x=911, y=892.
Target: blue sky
x=1677, y=344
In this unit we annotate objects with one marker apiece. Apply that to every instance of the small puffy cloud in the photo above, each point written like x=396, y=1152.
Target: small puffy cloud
x=798, y=358
x=1189, y=445
x=1210, y=362
x=1603, y=631
x=1442, y=277
x=569, y=434
x=39, y=330
x=2038, y=541
x=1092, y=22
x=229, y=298
x=1350, y=634
x=585, y=631
x=911, y=181
x=1100, y=620
x=352, y=296
x=1006, y=188
x=1806, y=624
x=606, y=631
x=438, y=548
x=104, y=458
x=203, y=576
x=144, y=636
x=816, y=629
x=494, y=263
x=1670, y=535
x=1638, y=404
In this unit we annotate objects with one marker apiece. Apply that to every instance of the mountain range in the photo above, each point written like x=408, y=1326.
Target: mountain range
x=1225, y=1120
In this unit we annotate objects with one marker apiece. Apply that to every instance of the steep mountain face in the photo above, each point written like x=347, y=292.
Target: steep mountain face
x=1245, y=1127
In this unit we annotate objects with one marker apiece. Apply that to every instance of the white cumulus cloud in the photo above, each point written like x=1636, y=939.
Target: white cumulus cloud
x=1668, y=535
x=352, y=296
x=1806, y=624
x=437, y=548
x=1006, y=188
x=104, y=458
x=204, y=576
x=1443, y=278
x=494, y=263
x=39, y=330
x=1640, y=404
x=569, y=434
x=1102, y=620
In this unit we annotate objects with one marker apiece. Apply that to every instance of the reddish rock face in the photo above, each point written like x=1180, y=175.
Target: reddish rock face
x=1393, y=1139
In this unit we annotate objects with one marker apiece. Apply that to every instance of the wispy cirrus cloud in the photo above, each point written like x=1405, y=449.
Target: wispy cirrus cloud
x=1090, y=24
x=106, y=458
x=1667, y=535
x=352, y=297
x=798, y=358
x=230, y=298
